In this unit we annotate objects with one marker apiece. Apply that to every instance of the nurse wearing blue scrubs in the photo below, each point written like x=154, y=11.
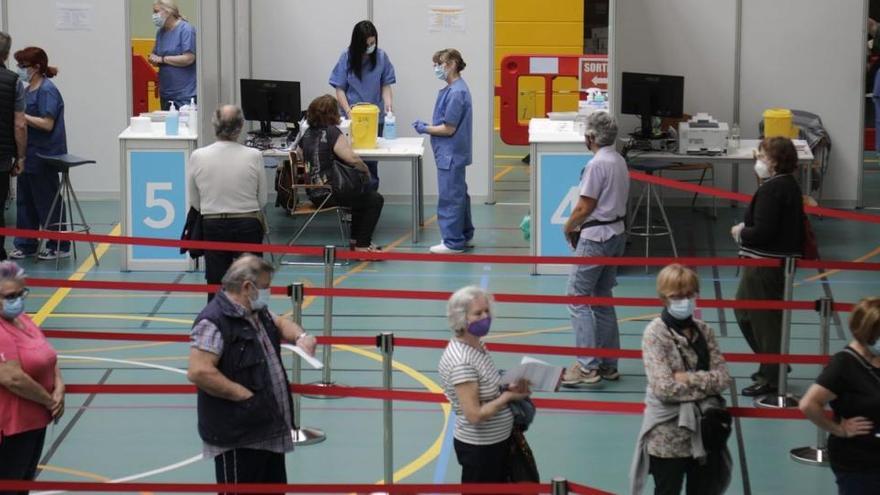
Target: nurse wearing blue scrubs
x=364, y=74
x=451, y=131
x=174, y=55
x=37, y=186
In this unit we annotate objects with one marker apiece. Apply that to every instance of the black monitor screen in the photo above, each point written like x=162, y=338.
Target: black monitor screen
x=270, y=101
x=651, y=95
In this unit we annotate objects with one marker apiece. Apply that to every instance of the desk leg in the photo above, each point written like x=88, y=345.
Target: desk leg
x=734, y=181
x=416, y=199
x=421, y=166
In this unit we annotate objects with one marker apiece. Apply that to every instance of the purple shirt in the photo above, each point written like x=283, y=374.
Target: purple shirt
x=605, y=179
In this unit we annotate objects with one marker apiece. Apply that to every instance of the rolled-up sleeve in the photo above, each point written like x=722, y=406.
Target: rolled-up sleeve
x=205, y=336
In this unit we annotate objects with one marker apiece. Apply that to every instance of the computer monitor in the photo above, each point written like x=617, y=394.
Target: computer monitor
x=651, y=95
x=270, y=101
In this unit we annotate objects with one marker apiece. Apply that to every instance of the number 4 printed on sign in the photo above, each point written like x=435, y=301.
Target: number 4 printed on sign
x=563, y=211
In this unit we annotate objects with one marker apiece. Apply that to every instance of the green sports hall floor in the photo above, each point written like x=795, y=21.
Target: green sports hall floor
x=113, y=437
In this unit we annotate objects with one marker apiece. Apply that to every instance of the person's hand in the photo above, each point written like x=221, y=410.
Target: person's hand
x=522, y=386
x=307, y=343
x=388, y=108
x=736, y=231
x=420, y=126
x=56, y=409
x=510, y=396
x=853, y=427
x=17, y=168
x=247, y=394
x=681, y=377
x=154, y=59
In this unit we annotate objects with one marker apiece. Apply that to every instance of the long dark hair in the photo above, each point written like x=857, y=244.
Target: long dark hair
x=358, y=47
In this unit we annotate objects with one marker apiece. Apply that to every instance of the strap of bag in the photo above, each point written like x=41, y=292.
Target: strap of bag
x=864, y=362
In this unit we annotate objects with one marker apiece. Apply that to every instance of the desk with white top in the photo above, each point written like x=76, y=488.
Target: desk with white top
x=403, y=149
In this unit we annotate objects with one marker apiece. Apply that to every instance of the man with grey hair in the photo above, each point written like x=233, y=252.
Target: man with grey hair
x=596, y=228
x=13, y=129
x=227, y=185
x=245, y=411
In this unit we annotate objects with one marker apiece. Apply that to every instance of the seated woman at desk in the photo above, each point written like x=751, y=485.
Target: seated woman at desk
x=323, y=147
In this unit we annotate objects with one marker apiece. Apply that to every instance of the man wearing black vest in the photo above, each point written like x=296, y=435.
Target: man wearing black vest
x=244, y=404
x=13, y=129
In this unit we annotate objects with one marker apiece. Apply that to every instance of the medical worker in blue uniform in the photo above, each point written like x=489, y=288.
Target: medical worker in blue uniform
x=174, y=54
x=37, y=186
x=364, y=74
x=451, y=131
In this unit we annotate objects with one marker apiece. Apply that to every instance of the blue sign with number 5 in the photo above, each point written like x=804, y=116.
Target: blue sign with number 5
x=158, y=200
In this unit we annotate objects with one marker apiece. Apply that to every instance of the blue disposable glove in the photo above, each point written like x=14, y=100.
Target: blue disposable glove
x=420, y=126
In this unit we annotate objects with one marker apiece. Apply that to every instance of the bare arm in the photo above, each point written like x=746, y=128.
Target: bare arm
x=292, y=332
x=343, y=101
x=580, y=213
x=182, y=60
x=203, y=373
x=475, y=412
x=813, y=406
x=20, y=142
x=388, y=98
x=57, y=409
x=344, y=151
x=41, y=123
x=443, y=129
x=21, y=384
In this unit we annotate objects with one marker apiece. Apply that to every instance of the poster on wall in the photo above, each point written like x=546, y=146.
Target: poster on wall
x=446, y=19
x=73, y=16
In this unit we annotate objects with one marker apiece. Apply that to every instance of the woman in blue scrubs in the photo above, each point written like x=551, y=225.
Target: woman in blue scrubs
x=174, y=54
x=451, y=131
x=364, y=74
x=38, y=184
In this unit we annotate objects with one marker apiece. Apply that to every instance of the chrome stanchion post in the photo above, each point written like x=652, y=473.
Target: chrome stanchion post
x=782, y=399
x=302, y=435
x=385, y=343
x=818, y=455
x=326, y=380
x=559, y=486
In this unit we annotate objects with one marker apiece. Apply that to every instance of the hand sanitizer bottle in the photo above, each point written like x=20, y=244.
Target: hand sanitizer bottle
x=390, y=129
x=172, y=121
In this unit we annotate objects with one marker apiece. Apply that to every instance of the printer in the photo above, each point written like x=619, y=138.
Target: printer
x=702, y=135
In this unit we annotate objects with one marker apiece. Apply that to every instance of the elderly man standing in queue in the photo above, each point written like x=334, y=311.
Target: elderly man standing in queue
x=227, y=185
x=13, y=129
x=245, y=411
x=596, y=228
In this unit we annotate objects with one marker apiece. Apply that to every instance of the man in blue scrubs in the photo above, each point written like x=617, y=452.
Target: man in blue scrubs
x=174, y=54
x=451, y=132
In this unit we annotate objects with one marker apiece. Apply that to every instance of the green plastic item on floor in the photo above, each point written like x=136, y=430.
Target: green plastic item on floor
x=526, y=227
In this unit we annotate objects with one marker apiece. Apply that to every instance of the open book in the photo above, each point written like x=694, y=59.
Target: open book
x=542, y=376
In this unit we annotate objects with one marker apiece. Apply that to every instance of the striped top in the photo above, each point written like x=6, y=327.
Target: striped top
x=462, y=363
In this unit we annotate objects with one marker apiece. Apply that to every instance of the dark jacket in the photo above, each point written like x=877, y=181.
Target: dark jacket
x=227, y=423
x=774, y=221
x=8, y=88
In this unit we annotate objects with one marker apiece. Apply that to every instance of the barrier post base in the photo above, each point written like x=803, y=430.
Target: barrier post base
x=810, y=455
x=307, y=436
x=777, y=401
x=323, y=397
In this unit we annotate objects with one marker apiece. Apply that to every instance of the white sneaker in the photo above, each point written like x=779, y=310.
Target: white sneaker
x=443, y=249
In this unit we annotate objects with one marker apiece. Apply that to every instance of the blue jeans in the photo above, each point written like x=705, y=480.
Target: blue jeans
x=857, y=483
x=595, y=326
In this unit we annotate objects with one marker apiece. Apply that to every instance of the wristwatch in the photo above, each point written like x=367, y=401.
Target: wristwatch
x=300, y=336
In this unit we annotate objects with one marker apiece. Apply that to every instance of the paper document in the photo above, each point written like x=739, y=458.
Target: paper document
x=313, y=362
x=543, y=377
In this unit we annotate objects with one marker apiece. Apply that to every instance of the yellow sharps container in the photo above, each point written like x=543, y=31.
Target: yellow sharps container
x=364, y=125
x=778, y=122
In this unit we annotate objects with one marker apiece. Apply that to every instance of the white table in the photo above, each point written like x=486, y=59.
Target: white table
x=403, y=149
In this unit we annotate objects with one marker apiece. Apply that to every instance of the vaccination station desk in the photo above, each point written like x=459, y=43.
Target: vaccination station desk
x=154, y=194
x=559, y=154
x=404, y=149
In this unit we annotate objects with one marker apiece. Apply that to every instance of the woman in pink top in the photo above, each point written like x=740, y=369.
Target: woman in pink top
x=31, y=390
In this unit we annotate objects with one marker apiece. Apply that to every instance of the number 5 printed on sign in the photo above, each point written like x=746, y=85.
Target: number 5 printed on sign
x=152, y=201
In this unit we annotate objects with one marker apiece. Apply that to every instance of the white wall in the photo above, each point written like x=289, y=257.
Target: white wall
x=92, y=79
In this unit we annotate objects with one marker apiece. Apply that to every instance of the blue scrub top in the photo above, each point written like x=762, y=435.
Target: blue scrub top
x=454, y=107
x=367, y=88
x=45, y=101
x=176, y=83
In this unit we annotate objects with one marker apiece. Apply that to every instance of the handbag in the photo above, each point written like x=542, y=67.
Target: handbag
x=521, y=461
x=523, y=413
x=347, y=180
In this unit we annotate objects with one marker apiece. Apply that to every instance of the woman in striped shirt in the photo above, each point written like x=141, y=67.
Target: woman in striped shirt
x=471, y=382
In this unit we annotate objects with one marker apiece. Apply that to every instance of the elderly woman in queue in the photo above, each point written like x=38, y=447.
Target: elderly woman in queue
x=174, y=54
x=686, y=373
x=31, y=389
x=472, y=383
x=773, y=228
x=851, y=386
x=323, y=145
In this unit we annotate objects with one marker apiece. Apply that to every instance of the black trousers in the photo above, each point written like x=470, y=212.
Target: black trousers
x=19, y=455
x=669, y=476
x=484, y=463
x=33, y=200
x=249, y=466
x=366, y=208
x=762, y=328
x=247, y=230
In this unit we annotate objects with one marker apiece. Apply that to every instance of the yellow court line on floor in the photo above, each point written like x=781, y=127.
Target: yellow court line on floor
x=829, y=273
x=80, y=273
x=119, y=347
x=98, y=316
x=510, y=157
x=504, y=172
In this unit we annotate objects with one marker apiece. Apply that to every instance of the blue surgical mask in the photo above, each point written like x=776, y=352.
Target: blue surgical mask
x=13, y=308
x=440, y=72
x=682, y=309
x=158, y=19
x=24, y=75
x=262, y=300
x=875, y=348
x=480, y=328
x=371, y=49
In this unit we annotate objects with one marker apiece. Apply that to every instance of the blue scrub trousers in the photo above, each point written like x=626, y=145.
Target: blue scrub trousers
x=876, y=99
x=34, y=195
x=454, y=208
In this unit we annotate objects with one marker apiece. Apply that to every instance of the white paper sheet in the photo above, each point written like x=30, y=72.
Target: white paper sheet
x=542, y=376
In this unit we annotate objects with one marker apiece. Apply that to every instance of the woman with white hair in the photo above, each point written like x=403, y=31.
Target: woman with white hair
x=471, y=382
x=31, y=389
x=174, y=54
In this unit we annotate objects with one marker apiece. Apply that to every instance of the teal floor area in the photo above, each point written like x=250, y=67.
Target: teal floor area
x=154, y=438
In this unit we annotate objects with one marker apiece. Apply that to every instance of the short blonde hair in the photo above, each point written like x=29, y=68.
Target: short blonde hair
x=169, y=6
x=459, y=304
x=677, y=279
x=864, y=321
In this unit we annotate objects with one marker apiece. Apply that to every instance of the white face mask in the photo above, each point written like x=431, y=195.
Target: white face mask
x=682, y=309
x=762, y=169
x=371, y=49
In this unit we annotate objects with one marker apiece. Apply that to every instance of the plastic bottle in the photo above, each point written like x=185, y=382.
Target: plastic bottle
x=390, y=129
x=733, y=142
x=172, y=121
x=193, y=117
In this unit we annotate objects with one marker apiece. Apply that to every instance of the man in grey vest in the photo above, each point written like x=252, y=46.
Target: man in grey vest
x=13, y=129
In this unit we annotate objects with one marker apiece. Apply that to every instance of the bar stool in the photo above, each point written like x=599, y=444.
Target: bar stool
x=63, y=164
x=650, y=228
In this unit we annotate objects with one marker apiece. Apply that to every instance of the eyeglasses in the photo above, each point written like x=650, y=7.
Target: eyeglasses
x=23, y=66
x=16, y=295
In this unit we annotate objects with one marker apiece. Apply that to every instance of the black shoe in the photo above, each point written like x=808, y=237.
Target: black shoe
x=758, y=390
